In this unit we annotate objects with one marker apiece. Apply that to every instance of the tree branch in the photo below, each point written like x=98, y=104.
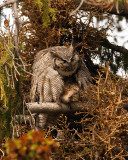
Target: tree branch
x=53, y=108
x=114, y=47
x=16, y=32
x=105, y=43
x=112, y=7
x=8, y=2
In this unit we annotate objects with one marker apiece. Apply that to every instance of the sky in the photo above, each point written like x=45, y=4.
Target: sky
x=122, y=37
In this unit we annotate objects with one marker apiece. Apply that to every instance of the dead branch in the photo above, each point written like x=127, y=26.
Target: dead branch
x=74, y=12
x=16, y=36
x=54, y=107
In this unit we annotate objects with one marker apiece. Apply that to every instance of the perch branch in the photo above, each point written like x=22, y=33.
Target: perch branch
x=53, y=108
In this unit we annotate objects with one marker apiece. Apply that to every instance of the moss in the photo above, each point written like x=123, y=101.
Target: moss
x=9, y=90
x=46, y=11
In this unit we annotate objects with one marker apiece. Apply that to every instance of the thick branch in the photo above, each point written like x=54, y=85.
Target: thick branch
x=52, y=108
x=121, y=9
x=8, y=2
x=105, y=43
x=114, y=47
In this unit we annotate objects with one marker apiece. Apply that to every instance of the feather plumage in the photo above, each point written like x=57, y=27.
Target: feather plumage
x=50, y=68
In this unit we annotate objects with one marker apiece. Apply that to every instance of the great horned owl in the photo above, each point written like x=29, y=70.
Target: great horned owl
x=52, y=69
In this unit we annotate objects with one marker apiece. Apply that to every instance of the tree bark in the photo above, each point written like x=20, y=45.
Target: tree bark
x=16, y=32
x=118, y=8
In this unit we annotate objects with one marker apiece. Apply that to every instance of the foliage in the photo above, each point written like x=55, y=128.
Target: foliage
x=44, y=36
x=62, y=28
x=48, y=13
x=60, y=31
x=9, y=94
x=32, y=145
x=102, y=132
x=99, y=131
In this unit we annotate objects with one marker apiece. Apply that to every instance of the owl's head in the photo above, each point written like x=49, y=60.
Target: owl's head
x=66, y=60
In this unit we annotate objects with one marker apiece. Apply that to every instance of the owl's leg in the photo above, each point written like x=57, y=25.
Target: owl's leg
x=44, y=92
x=41, y=121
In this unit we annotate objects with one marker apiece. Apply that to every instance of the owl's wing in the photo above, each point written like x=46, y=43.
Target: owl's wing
x=83, y=76
x=47, y=84
x=50, y=85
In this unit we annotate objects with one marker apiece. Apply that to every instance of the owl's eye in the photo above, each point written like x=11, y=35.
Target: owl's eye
x=64, y=61
x=61, y=60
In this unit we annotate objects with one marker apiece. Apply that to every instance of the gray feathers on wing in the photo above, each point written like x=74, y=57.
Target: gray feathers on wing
x=83, y=76
x=46, y=82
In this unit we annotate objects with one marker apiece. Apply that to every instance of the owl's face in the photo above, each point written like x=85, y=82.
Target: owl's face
x=67, y=67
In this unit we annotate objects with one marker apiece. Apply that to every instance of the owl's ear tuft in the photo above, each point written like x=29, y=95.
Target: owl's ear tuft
x=71, y=48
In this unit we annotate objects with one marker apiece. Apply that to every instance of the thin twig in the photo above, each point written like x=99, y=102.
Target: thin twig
x=74, y=12
x=2, y=153
x=32, y=117
x=8, y=76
